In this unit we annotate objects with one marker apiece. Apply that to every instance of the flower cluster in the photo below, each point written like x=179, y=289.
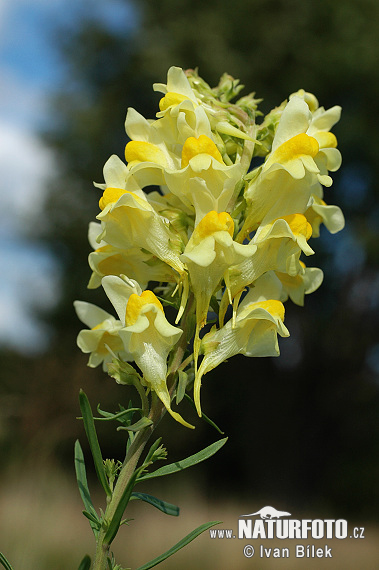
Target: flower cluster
x=237, y=198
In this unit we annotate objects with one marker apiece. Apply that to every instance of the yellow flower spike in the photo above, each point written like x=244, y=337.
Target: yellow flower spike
x=141, y=151
x=202, y=145
x=295, y=147
x=171, y=99
x=135, y=304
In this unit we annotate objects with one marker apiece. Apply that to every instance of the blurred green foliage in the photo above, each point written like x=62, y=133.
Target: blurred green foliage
x=303, y=428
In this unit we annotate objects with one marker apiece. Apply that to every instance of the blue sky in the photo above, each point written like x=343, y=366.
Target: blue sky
x=30, y=69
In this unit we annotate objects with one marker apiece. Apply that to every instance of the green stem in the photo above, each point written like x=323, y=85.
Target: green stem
x=136, y=448
x=142, y=394
x=129, y=466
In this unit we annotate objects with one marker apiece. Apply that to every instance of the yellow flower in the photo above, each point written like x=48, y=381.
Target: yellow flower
x=278, y=247
x=176, y=90
x=102, y=338
x=134, y=262
x=133, y=222
x=146, y=334
x=204, y=183
x=254, y=332
x=296, y=286
x=208, y=254
x=320, y=212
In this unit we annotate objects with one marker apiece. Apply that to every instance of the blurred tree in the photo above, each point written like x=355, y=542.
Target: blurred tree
x=303, y=428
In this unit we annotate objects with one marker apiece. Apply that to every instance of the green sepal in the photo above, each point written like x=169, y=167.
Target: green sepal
x=81, y=478
x=163, y=506
x=204, y=416
x=141, y=424
x=85, y=563
x=123, y=372
x=185, y=463
x=89, y=426
x=186, y=540
x=4, y=562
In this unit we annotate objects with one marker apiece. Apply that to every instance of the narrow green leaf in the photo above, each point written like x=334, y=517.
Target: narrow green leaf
x=152, y=450
x=81, y=478
x=89, y=426
x=186, y=540
x=141, y=424
x=95, y=520
x=204, y=416
x=85, y=563
x=163, y=506
x=166, y=302
x=108, y=416
x=4, y=562
x=188, y=462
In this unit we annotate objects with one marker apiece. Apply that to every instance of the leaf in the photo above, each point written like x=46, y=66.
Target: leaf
x=108, y=416
x=188, y=462
x=152, y=451
x=85, y=563
x=90, y=517
x=4, y=562
x=89, y=426
x=166, y=508
x=186, y=540
x=81, y=478
x=141, y=424
x=166, y=302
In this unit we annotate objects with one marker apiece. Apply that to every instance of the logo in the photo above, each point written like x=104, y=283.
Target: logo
x=269, y=513
x=270, y=524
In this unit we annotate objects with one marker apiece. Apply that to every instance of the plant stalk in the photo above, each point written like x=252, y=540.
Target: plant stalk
x=129, y=466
